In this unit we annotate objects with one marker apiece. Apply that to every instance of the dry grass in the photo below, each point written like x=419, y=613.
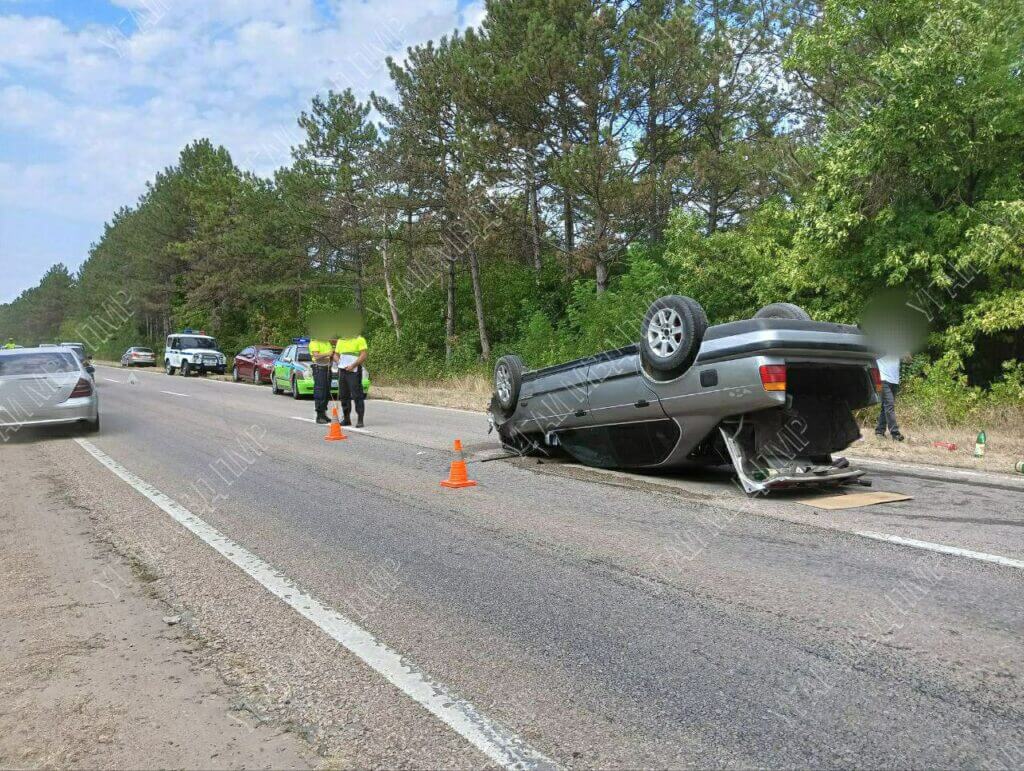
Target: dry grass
x=470, y=392
x=1003, y=427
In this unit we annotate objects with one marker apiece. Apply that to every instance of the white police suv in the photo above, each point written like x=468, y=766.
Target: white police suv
x=193, y=354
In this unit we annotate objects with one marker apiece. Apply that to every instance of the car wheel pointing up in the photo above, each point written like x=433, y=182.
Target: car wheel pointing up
x=670, y=335
x=508, y=379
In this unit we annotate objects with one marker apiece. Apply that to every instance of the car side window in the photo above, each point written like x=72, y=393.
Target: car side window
x=287, y=355
x=247, y=353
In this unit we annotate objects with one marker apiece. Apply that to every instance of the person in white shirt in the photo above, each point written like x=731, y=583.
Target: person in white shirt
x=889, y=369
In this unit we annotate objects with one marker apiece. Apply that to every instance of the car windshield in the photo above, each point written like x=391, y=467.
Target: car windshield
x=37, y=363
x=269, y=353
x=207, y=343
x=143, y=350
x=302, y=354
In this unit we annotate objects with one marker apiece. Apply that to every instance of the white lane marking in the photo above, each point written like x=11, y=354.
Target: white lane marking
x=943, y=549
x=478, y=413
x=496, y=742
x=111, y=380
x=949, y=471
x=347, y=428
x=175, y=393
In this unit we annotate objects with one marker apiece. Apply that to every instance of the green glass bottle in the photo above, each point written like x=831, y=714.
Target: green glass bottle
x=979, y=446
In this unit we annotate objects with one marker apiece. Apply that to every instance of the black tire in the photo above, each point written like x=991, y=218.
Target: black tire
x=234, y=374
x=186, y=369
x=167, y=367
x=93, y=426
x=256, y=379
x=274, y=389
x=669, y=338
x=295, y=389
x=508, y=380
x=783, y=311
x=700, y=319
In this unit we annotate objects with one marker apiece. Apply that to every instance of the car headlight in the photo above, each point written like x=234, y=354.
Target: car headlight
x=197, y=357
x=307, y=373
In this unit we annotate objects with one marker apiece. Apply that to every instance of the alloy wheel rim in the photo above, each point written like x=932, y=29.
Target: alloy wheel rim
x=665, y=333
x=504, y=384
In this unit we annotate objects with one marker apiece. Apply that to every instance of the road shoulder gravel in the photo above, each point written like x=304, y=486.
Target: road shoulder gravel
x=95, y=670
x=283, y=673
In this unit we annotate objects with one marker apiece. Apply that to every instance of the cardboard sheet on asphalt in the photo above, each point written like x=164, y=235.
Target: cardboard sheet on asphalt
x=853, y=500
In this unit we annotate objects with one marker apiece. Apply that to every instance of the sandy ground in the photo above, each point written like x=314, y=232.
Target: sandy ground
x=91, y=673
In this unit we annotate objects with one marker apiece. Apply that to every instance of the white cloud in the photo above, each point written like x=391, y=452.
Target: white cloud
x=117, y=102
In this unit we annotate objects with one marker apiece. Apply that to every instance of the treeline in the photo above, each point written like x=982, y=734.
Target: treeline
x=532, y=184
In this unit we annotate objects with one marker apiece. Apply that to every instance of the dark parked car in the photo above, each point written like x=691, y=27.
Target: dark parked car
x=255, y=363
x=772, y=395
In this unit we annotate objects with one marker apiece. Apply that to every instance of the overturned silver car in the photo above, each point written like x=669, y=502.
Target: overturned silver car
x=772, y=395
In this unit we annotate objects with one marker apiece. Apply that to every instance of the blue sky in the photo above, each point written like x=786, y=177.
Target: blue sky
x=98, y=95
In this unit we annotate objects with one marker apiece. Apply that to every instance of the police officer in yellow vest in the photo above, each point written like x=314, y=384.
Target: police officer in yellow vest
x=10, y=344
x=321, y=352
x=351, y=353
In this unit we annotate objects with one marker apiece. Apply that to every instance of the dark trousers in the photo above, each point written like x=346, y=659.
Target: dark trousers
x=321, y=387
x=350, y=389
x=887, y=415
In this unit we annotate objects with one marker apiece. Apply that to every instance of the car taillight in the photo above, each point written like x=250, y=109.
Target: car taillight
x=82, y=388
x=876, y=378
x=773, y=377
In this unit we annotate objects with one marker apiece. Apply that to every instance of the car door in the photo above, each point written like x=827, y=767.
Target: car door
x=618, y=392
x=554, y=398
x=243, y=362
x=282, y=367
x=626, y=425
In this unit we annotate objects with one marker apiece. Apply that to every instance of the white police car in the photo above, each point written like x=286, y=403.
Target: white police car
x=191, y=353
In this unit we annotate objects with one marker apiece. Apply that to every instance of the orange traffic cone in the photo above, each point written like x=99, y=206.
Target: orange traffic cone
x=458, y=476
x=334, y=433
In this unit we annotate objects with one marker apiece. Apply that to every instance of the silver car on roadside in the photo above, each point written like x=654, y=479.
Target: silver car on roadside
x=44, y=387
x=138, y=357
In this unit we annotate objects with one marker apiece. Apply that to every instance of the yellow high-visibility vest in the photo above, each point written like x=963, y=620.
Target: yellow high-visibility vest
x=351, y=346
x=319, y=349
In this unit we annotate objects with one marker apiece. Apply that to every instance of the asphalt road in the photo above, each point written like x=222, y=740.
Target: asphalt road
x=607, y=620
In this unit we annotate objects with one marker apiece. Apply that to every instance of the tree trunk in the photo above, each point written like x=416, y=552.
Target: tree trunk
x=568, y=222
x=388, y=291
x=478, y=301
x=357, y=288
x=449, y=311
x=601, y=272
x=534, y=213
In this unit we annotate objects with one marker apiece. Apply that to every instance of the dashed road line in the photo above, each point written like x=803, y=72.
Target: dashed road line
x=111, y=380
x=175, y=393
x=942, y=549
x=497, y=742
x=347, y=428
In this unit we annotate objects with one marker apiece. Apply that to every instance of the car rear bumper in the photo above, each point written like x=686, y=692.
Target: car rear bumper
x=70, y=411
